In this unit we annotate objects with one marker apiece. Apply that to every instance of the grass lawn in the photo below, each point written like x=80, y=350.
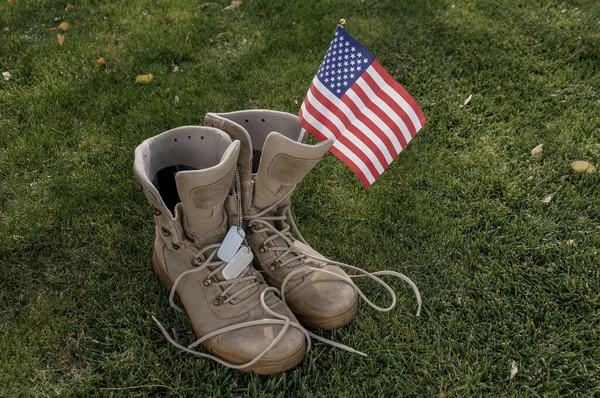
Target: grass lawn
x=507, y=278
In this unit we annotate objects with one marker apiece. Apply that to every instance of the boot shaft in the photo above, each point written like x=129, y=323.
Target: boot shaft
x=273, y=156
x=186, y=174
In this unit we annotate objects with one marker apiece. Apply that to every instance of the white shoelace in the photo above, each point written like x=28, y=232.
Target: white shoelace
x=296, y=258
x=219, y=265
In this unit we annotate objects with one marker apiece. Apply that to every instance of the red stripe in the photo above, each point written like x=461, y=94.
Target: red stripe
x=363, y=179
x=308, y=127
x=400, y=90
x=370, y=125
x=359, y=173
x=341, y=138
x=380, y=113
x=385, y=97
x=333, y=108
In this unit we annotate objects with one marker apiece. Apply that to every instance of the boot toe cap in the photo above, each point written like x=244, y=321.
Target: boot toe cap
x=243, y=345
x=324, y=301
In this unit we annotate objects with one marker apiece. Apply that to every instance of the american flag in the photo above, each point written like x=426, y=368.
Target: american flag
x=354, y=102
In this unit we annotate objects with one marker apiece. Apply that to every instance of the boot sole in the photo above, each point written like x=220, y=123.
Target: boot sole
x=328, y=322
x=262, y=367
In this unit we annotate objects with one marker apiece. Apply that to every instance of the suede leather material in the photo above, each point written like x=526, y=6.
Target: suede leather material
x=283, y=164
x=203, y=193
x=206, y=317
x=236, y=132
x=335, y=295
x=261, y=123
x=202, y=218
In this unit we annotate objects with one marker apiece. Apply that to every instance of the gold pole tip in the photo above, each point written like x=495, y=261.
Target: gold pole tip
x=342, y=22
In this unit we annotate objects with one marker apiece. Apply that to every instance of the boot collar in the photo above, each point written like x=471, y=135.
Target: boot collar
x=273, y=149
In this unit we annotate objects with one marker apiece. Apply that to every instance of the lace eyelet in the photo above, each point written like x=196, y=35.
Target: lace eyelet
x=218, y=301
x=262, y=249
x=175, y=246
x=197, y=260
x=208, y=281
x=156, y=211
x=273, y=268
x=165, y=231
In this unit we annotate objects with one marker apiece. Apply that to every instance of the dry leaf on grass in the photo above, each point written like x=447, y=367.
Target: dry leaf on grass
x=144, y=79
x=581, y=166
x=513, y=369
x=61, y=39
x=537, y=151
x=13, y=2
x=225, y=35
x=68, y=7
x=64, y=26
x=571, y=243
x=5, y=29
x=469, y=98
x=101, y=61
x=51, y=29
x=6, y=75
x=234, y=4
x=547, y=198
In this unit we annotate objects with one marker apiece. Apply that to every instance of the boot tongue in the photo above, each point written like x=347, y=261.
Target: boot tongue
x=283, y=164
x=203, y=194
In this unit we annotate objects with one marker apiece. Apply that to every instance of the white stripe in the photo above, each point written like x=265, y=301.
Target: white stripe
x=322, y=129
x=347, y=152
x=395, y=96
x=353, y=119
x=356, y=160
x=385, y=108
x=364, y=147
x=385, y=129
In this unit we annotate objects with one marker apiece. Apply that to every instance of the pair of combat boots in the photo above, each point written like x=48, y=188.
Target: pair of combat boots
x=221, y=196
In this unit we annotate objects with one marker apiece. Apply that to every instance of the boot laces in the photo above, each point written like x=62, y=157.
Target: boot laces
x=290, y=256
x=229, y=293
x=251, y=281
x=266, y=219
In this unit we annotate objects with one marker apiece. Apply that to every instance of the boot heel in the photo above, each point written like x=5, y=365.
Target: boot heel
x=160, y=270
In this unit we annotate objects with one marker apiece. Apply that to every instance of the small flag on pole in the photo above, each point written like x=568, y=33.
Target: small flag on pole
x=354, y=102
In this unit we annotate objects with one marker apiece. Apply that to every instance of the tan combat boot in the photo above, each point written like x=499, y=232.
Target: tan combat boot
x=187, y=175
x=273, y=159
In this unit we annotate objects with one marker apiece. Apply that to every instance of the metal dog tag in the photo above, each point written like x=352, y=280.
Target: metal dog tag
x=231, y=243
x=238, y=263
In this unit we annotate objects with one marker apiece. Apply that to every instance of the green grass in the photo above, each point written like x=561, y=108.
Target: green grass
x=460, y=210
